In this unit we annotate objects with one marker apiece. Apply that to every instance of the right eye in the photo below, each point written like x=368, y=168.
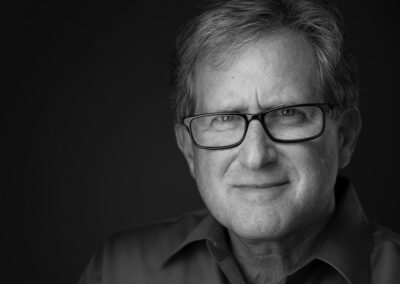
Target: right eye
x=225, y=118
x=225, y=122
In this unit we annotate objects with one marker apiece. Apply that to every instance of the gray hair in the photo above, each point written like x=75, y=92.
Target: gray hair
x=223, y=26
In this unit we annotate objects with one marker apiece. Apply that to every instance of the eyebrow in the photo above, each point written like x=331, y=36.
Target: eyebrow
x=233, y=109
x=228, y=109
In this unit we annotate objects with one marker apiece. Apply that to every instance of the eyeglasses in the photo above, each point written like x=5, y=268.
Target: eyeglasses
x=286, y=124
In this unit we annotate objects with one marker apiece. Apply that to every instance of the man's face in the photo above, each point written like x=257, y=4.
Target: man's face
x=262, y=189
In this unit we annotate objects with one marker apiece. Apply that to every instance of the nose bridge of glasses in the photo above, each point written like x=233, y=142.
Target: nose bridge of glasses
x=255, y=116
x=257, y=147
x=260, y=118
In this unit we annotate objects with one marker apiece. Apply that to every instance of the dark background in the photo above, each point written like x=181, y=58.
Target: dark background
x=88, y=144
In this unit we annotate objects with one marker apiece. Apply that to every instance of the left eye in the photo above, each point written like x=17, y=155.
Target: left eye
x=287, y=115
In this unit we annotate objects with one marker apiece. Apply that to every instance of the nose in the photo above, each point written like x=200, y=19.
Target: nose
x=257, y=149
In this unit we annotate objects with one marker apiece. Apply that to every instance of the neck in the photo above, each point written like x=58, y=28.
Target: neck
x=272, y=261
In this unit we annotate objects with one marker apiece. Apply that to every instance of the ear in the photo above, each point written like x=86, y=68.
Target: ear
x=185, y=145
x=349, y=129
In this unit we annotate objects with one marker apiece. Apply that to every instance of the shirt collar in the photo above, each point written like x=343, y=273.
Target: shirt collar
x=345, y=243
x=208, y=229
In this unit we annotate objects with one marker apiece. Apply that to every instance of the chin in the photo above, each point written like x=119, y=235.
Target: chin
x=256, y=233
x=261, y=226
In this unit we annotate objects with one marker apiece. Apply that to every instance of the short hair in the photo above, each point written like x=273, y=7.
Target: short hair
x=222, y=26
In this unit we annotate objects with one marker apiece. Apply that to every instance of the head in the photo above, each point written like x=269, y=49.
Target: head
x=249, y=56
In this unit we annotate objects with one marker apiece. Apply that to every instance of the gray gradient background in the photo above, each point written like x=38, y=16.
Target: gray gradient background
x=88, y=146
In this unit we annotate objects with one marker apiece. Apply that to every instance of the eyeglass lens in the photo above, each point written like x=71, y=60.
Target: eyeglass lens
x=284, y=124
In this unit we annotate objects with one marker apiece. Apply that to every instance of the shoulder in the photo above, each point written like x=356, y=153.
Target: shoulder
x=385, y=260
x=150, y=244
x=136, y=255
x=161, y=235
x=383, y=237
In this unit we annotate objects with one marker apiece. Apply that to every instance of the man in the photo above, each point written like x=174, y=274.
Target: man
x=266, y=114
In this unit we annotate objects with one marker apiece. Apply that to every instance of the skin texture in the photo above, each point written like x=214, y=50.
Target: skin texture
x=272, y=197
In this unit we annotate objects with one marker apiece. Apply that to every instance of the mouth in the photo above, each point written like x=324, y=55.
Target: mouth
x=260, y=186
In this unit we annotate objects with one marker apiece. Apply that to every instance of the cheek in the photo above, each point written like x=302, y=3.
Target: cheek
x=323, y=154
x=209, y=168
x=306, y=160
x=321, y=161
x=316, y=170
x=327, y=156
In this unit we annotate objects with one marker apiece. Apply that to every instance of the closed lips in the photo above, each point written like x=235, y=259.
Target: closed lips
x=260, y=185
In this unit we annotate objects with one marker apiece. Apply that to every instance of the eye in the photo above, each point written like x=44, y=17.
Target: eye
x=287, y=116
x=225, y=122
x=289, y=112
x=226, y=118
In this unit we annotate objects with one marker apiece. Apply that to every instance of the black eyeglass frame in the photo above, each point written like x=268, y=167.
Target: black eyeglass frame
x=325, y=107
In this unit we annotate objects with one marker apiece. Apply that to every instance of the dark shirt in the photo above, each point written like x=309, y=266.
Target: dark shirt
x=195, y=249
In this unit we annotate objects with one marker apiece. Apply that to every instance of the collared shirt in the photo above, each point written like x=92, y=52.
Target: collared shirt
x=194, y=249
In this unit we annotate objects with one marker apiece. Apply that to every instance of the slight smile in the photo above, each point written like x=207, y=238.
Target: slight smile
x=268, y=185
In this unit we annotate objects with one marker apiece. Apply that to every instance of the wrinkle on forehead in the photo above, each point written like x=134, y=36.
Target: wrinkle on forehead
x=222, y=59
x=287, y=59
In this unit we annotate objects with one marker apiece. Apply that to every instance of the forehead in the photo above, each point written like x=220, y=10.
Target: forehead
x=275, y=70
